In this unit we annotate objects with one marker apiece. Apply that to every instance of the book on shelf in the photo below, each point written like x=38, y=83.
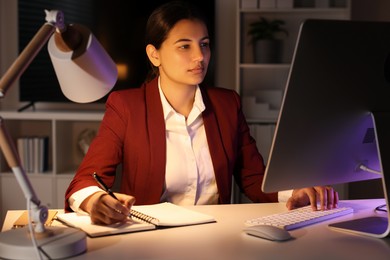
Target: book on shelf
x=33, y=153
x=144, y=217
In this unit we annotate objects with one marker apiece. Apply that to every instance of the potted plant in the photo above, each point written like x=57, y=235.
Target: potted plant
x=266, y=38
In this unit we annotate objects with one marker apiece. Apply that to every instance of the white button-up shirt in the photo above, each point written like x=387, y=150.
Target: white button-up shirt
x=189, y=177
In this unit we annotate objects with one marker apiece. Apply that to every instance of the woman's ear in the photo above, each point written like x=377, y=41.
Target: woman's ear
x=153, y=56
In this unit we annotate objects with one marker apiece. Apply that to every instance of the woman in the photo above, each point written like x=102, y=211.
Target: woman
x=177, y=140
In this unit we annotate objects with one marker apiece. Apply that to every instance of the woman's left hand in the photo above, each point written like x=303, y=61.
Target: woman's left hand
x=327, y=197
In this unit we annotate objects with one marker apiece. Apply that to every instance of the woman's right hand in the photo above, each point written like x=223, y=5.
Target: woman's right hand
x=106, y=210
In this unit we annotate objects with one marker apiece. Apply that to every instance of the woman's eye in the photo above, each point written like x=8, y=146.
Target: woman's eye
x=204, y=44
x=185, y=46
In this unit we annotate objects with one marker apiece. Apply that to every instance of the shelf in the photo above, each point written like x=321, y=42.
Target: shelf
x=297, y=10
x=262, y=120
x=63, y=129
x=265, y=65
x=53, y=115
x=33, y=175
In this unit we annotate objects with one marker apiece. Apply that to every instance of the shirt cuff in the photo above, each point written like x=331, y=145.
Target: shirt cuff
x=79, y=196
x=284, y=195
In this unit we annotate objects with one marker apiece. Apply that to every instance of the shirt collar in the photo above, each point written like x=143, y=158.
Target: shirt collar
x=168, y=109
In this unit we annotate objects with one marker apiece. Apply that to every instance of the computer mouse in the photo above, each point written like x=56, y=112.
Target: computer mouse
x=268, y=232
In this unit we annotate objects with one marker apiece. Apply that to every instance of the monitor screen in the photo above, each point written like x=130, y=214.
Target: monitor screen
x=338, y=84
x=333, y=124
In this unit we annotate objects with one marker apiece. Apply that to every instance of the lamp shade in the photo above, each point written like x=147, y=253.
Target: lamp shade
x=85, y=74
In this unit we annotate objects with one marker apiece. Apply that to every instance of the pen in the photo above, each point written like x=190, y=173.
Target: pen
x=103, y=185
x=105, y=188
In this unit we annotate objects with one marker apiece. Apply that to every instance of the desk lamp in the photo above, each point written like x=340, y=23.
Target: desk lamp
x=86, y=73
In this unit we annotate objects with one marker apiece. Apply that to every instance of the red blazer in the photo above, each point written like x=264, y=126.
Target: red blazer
x=132, y=133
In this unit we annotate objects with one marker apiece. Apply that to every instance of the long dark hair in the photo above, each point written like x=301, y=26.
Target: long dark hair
x=163, y=19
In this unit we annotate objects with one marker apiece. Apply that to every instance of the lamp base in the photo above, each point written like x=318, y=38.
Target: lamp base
x=56, y=243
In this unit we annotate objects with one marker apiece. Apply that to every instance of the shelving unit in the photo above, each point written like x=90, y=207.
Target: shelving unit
x=261, y=86
x=63, y=130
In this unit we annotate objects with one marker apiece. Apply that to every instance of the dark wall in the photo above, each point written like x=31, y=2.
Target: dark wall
x=119, y=26
x=372, y=10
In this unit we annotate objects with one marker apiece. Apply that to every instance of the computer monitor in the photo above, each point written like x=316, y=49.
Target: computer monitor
x=335, y=112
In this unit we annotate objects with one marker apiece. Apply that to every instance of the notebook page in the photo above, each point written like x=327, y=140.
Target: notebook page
x=168, y=214
x=83, y=222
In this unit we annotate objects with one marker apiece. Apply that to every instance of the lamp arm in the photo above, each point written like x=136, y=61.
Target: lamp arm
x=54, y=20
x=26, y=57
x=39, y=212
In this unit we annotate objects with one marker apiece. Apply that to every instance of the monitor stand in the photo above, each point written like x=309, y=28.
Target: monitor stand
x=30, y=104
x=375, y=226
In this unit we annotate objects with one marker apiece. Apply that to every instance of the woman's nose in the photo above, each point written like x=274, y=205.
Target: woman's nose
x=198, y=54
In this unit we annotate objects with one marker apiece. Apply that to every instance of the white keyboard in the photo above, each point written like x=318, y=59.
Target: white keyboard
x=299, y=217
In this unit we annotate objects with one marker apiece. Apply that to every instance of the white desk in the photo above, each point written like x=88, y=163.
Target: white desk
x=225, y=240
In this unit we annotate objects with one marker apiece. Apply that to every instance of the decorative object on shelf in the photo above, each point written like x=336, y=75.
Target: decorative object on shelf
x=257, y=110
x=266, y=40
x=84, y=140
x=263, y=104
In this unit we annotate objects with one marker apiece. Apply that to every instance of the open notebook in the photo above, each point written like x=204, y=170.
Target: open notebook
x=145, y=217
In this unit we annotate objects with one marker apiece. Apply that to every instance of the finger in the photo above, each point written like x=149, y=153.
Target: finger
x=100, y=218
x=336, y=199
x=331, y=196
x=115, y=208
x=312, y=194
x=323, y=197
x=295, y=200
x=109, y=211
x=290, y=204
x=126, y=202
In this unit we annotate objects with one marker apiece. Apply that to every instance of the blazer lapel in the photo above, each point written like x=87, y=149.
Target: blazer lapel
x=157, y=145
x=217, y=150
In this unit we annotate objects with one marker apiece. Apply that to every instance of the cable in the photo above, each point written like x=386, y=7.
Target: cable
x=365, y=168
x=380, y=208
